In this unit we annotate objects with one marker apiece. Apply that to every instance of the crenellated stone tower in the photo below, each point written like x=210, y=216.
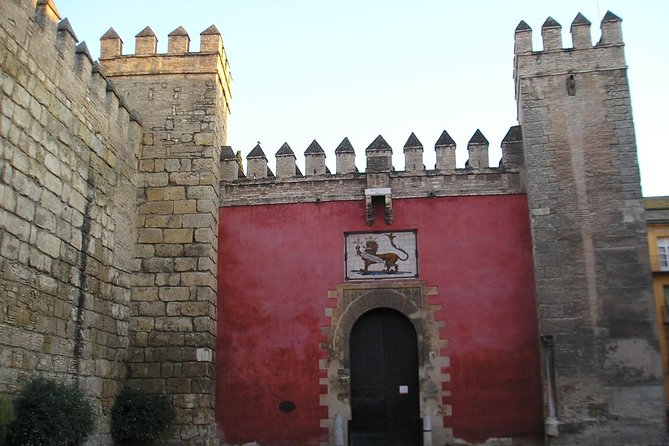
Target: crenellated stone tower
x=602, y=371
x=183, y=98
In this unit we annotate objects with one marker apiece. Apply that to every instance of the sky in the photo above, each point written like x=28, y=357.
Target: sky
x=329, y=69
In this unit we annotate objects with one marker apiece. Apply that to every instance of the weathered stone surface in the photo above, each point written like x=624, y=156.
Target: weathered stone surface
x=108, y=226
x=178, y=235
x=67, y=201
x=591, y=268
x=178, y=200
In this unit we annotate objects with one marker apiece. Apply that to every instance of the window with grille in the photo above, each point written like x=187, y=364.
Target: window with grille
x=663, y=253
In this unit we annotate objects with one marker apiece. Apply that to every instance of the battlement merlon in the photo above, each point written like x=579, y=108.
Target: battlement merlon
x=55, y=39
x=378, y=159
x=46, y=10
x=211, y=59
x=555, y=59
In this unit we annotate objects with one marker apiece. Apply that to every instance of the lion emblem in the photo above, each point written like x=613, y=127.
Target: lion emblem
x=370, y=255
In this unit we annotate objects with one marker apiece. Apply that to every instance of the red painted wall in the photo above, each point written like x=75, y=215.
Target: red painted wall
x=276, y=264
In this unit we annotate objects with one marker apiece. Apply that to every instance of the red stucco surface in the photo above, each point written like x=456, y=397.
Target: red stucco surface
x=276, y=264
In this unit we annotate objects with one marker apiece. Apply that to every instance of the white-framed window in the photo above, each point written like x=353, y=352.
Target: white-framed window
x=663, y=253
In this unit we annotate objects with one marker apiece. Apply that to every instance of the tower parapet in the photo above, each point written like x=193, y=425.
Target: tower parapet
x=211, y=59
x=111, y=44
x=178, y=41
x=580, y=32
x=146, y=42
x=609, y=50
x=551, y=34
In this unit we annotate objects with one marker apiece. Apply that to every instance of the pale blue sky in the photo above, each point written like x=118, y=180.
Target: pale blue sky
x=326, y=69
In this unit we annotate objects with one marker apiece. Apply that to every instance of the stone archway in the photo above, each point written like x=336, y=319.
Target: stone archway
x=350, y=301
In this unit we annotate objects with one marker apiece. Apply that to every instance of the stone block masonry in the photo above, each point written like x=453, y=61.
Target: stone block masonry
x=183, y=98
x=595, y=305
x=68, y=162
x=109, y=228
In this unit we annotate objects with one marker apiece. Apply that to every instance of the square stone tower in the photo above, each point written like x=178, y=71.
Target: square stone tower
x=602, y=372
x=183, y=98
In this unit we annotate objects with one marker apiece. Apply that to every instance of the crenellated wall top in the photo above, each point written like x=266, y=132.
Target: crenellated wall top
x=551, y=33
x=179, y=59
x=79, y=76
x=378, y=156
x=556, y=59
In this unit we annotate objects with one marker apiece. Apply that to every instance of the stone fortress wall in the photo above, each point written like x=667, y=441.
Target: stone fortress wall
x=69, y=151
x=108, y=238
x=109, y=217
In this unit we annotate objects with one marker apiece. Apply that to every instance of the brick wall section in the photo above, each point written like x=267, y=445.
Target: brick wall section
x=173, y=329
x=588, y=228
x=67, y=203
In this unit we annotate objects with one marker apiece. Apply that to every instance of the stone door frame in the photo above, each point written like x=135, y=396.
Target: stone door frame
x=349, y=301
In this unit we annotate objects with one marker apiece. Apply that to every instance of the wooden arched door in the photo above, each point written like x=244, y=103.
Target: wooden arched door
x=385, y=394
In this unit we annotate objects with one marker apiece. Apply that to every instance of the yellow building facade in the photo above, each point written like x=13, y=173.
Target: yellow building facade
x=657, y=217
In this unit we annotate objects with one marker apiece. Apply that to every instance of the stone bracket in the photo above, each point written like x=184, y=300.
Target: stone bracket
x=384, y=192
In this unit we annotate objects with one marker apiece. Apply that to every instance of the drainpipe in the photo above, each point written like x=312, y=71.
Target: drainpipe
x=551, y=423
x=338, y=431
x=427, y=431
